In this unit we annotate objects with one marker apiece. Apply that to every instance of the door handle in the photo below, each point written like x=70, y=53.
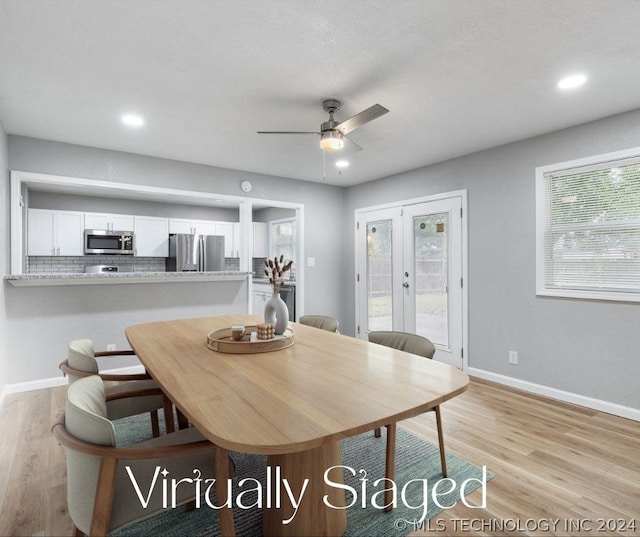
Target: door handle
x=405, y=285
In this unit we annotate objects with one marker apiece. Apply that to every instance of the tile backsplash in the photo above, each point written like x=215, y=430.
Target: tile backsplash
x=75, y=264
x=258, y=266
x=258, y=269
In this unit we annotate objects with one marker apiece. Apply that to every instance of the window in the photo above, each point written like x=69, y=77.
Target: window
x=588, y=228
x=283, y=238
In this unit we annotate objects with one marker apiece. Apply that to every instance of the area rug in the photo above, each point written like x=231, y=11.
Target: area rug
x=416, y=460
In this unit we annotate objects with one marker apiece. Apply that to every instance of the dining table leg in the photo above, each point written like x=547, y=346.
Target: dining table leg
x=167, y=406
x=221, y=473
x=313, y=517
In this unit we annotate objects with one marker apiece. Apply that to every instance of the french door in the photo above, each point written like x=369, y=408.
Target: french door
x=409, y=273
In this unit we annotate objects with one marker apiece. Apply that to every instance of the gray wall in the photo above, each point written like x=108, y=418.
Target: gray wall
x=324, y=208
x=586, y=347
x=4, y=252
x=272, y=213
x=94, y=204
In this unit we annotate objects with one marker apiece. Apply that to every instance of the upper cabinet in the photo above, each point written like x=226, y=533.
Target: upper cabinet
x=151, y=236
x=201, y=227
x=229, y=230
x=54, y=232
x=111, y=222
x=260, y=239
x=226, y=229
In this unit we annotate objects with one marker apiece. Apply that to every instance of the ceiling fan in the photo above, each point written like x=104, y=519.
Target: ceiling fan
x=333, y=133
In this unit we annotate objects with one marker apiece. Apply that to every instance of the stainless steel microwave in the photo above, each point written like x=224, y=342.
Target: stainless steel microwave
x=102, y=241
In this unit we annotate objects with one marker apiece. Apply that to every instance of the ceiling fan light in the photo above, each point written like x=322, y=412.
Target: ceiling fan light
x=331, y=141
x=132, y=120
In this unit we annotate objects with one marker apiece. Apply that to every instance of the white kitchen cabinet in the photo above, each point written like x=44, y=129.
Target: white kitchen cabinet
x=179, y=225
x=205, y=227
x=111, y=222
x=122, y=222
x=236, y=239
x=183, y=225
x=55, y=232
x=151, y=236
x=226, y=229
x=260, y=239
x=260, y=296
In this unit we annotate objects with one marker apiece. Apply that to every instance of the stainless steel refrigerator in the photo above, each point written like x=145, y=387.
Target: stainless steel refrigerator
x=195, y=253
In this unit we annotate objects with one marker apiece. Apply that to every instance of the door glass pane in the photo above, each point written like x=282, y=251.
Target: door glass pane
x=379, y=275
x=431, y=283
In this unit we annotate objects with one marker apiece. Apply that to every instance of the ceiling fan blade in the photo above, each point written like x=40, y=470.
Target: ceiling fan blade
x=288, y=132
x=354, y=147
x=371, y=113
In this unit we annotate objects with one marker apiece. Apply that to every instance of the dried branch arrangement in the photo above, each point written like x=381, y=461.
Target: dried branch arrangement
x=275, y=270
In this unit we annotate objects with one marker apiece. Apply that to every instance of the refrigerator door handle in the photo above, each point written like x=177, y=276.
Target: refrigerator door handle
x=202, y=250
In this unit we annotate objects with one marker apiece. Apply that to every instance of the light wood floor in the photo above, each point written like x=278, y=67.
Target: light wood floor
x=552, y=461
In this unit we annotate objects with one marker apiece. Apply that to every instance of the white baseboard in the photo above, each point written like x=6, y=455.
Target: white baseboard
x=59, y=381
x=561, y=395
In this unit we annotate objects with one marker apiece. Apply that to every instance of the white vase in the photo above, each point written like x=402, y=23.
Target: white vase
x=277, y=313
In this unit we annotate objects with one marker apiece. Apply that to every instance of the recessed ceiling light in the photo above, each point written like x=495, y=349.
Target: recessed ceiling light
x=571, y=82
x=132, y=120
x=342, y=163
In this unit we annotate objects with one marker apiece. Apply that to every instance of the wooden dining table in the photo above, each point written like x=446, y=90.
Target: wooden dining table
x=294, y=405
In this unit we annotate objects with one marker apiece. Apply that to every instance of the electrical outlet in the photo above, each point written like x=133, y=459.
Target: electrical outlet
x=111, y=347
x=311, y=261
x=513, y=357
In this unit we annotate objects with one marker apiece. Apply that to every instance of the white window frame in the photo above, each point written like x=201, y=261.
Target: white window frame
x=574, y=166
x=293, y=242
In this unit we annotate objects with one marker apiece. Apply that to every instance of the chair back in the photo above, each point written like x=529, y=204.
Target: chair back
x=81, y=356
x=100, y=496
x=404, y=341
x=85, y=419
x=323, y=322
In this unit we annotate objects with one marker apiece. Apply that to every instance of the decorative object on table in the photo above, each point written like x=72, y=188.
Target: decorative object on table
x=222, y=341
x=275, y=310
x=237, y=332
x=266, y=331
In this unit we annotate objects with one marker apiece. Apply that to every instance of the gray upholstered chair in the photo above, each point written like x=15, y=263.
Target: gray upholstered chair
x=323, y=322
x=81, y=362
x=421, y=346
x=100, y=491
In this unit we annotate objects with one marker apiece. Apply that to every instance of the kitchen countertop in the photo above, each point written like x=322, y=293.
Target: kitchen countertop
x=264, y=280
x=23, y=280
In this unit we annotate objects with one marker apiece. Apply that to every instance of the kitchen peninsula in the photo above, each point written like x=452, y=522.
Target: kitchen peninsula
x=50, y=299
x=46, y=311
x=22, y=280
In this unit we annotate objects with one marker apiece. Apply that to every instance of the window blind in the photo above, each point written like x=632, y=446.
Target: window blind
x=592, y=228
x=283, y=238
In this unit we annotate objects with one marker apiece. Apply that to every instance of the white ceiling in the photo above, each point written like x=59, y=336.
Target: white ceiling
x=458, y=76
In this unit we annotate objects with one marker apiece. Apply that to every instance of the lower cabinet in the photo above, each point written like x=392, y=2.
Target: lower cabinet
x=261, y=295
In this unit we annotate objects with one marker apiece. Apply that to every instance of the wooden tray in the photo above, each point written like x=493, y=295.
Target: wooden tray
x=221, y=341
